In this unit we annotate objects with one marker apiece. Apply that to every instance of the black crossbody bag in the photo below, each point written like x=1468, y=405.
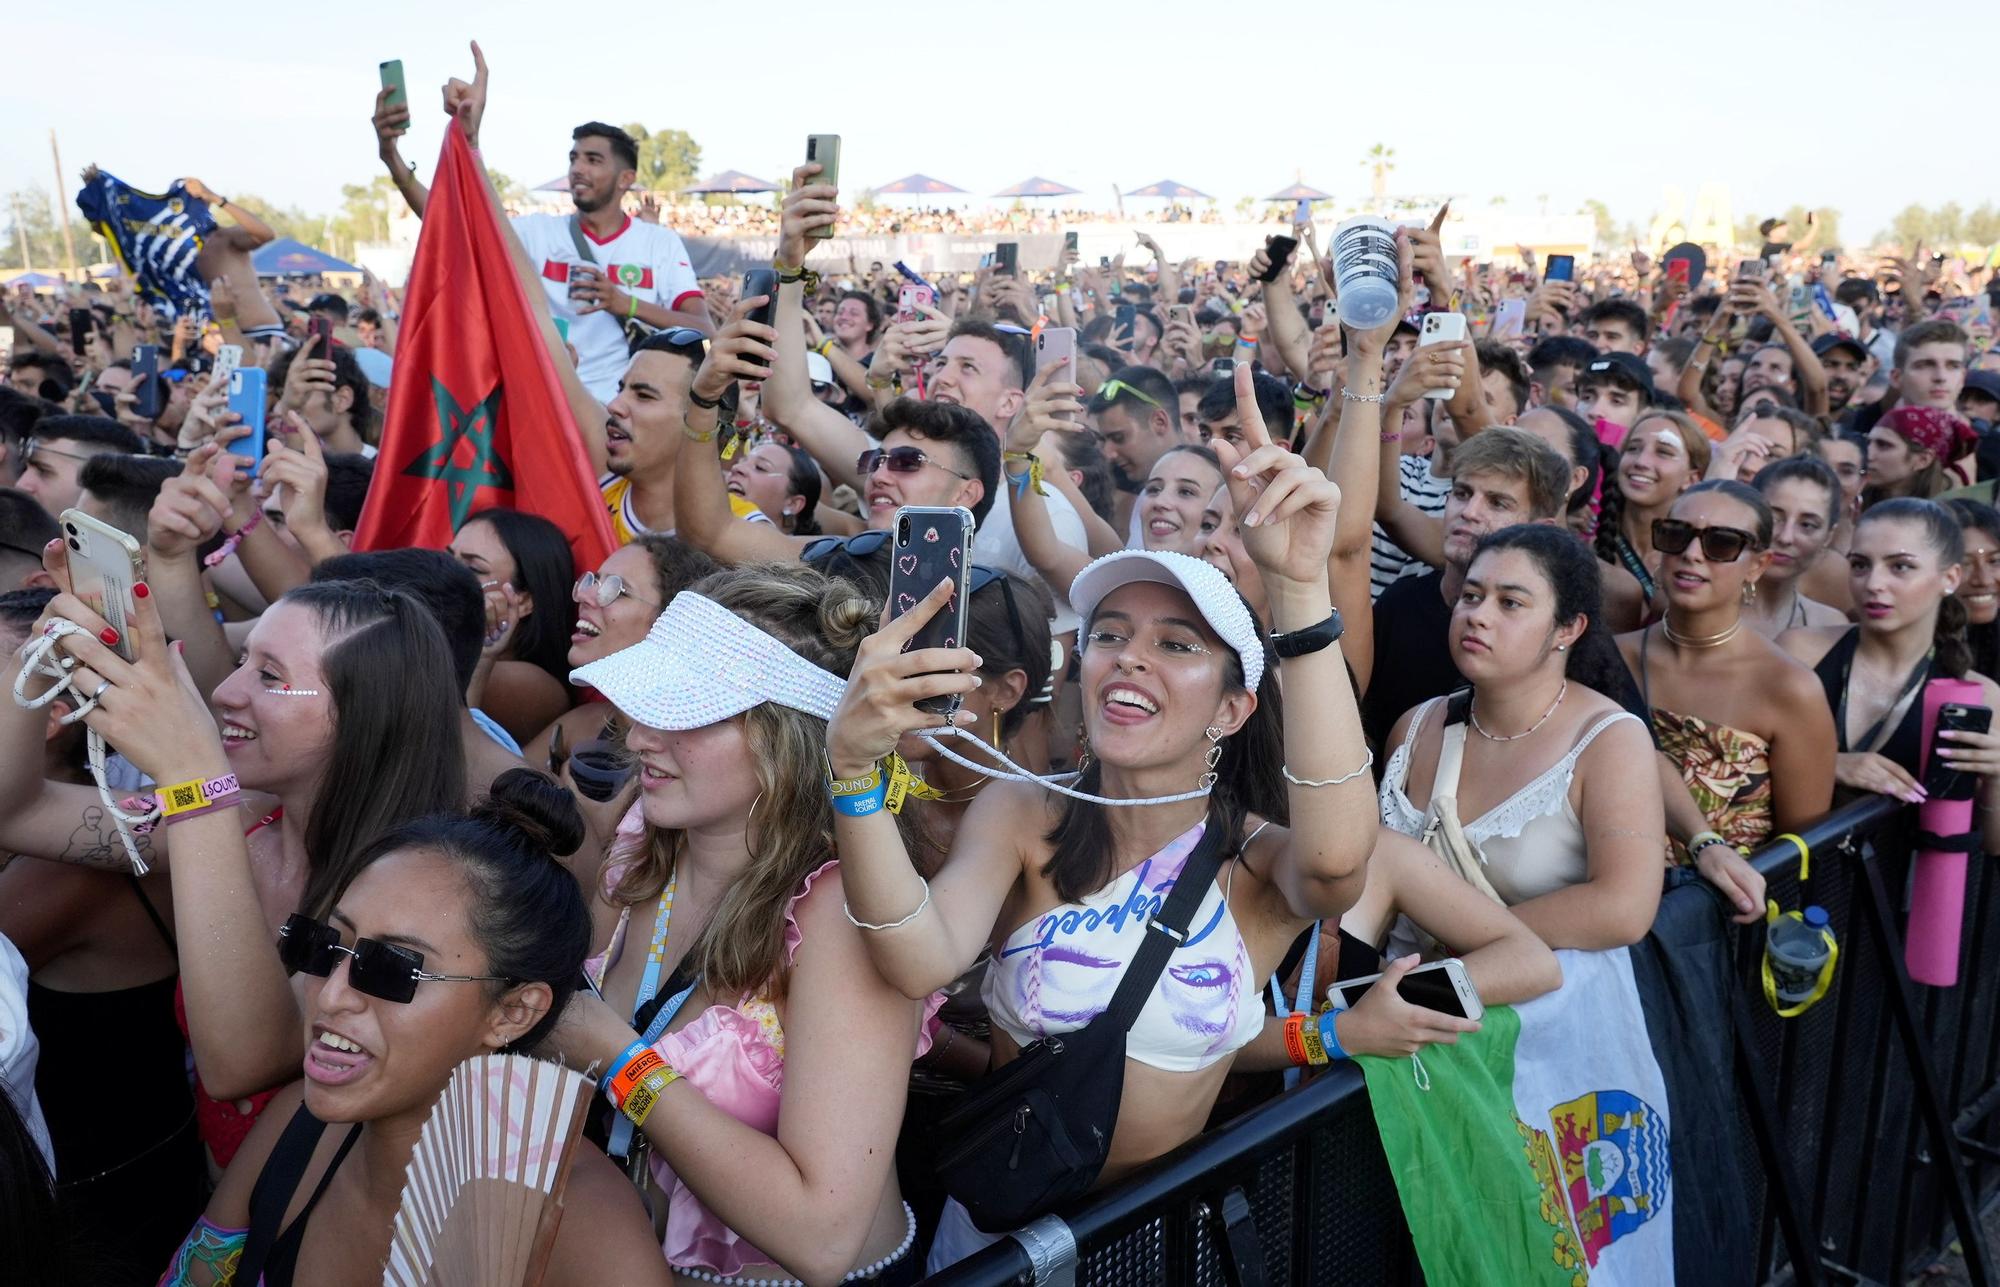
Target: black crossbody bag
x=1035, y=1134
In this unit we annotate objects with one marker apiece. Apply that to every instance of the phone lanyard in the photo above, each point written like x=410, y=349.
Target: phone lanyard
x=1867, y=742
x=620, y=1142
x=1306, y=970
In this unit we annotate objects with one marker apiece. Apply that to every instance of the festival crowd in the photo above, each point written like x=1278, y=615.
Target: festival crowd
x=1395, y=649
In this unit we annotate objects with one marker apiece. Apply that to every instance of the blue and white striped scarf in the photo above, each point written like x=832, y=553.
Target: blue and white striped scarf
x=156, y=238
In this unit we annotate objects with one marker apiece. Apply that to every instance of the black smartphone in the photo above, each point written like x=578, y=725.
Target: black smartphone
x=1280, y=249
x=1562, y=268
x=1006, y=258
x=932, y=543
x=1125, y=319
x=1104, y=261
x=1941, y=780
x=1069, y=243
x=761, y=281
x=80, y=322
x=146, y=380
x=323, y=328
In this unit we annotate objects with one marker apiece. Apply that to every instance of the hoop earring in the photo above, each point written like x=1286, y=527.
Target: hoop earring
x=1214, y=757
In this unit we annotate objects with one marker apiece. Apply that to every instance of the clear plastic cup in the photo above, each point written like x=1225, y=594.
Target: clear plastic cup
x=1365, y=270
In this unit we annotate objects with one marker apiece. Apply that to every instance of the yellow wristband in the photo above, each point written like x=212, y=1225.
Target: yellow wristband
x=638, y=1102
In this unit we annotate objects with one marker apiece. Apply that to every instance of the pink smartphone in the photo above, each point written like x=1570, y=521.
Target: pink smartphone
x=911, y=298
x=1054, y=344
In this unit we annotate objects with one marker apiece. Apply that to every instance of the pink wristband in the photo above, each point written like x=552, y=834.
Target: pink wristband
x=229, y=801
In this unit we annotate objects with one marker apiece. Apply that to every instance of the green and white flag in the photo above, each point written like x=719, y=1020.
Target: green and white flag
x=1535, y=1151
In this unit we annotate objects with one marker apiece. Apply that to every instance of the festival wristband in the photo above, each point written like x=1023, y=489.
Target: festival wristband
x=1309, y=1037
x=186, y=797
x=1295, y=1046
x=618, y=1065
x=837, y=787
x=639, y=1101
x=625, y=1079
x=220, y=802
x=863, y=804
x=1329, y=1040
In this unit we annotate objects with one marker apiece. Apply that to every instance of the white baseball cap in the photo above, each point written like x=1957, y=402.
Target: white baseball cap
x=701, y=664
x=1217, y=601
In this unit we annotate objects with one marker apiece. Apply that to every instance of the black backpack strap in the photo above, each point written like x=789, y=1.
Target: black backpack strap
x=1458, y=708
x=274, y=1188
x=1166, y=931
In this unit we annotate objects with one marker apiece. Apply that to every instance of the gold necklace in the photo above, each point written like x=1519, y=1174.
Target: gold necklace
x=1679, y=640
x=1473, y=711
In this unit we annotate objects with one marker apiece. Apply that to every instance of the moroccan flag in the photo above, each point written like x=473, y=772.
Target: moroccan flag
x=476, y=416
x=1537, y=1150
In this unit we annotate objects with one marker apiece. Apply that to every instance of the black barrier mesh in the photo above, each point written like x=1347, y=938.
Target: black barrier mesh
x=1326, y=1210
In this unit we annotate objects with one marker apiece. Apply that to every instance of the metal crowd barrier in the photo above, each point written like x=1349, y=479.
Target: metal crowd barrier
x=1866, y=1126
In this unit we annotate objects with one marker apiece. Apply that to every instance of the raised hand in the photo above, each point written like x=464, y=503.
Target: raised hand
x=742, y=350
x=808, y=206
x=467, y=103
x=391, y=122
x=1288, y=507
x=879, y=705
x=1053, y=406
x=193, y=505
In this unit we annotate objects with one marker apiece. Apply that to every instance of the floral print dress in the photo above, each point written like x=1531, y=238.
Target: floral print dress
x=1727, y=771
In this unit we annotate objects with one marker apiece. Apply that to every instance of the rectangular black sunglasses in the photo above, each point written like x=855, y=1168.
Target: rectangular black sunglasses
x=381, y=970
x=1718, y=544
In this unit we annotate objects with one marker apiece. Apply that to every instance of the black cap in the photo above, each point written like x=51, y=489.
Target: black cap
x=1625, y=368
x=1826, y=344
x=1986, y=382
x=328, y=303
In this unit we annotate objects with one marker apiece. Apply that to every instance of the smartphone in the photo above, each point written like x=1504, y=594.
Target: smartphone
x=1104, y=261
x=1941, y=780
x=1829, y=260
x=1181, y=312
x=1441, y=985
x=912, y=297
x=825, y=149
x=932, y=542
x=228, y=357
x=1007, y=258
x=1280, y=250
x=1302, y=213
x=392, y=80
x=1562, y=268
x=1510, y=318
x=1125, y=323
x=80, y=322
x=1053, y=344
x=1069, y=244
x=322, y=327
x=1441, y=328
x=246, y=399
x=104, y=565
x=1224, y=368
x=1752, y=270
x=146, y=380
x=910, y=274
x=761, y=281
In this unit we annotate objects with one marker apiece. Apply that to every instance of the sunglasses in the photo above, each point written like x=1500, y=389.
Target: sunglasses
x=604, y=590
x=37, y=447
x=381, y=970
x=900, y=460
x=684, y=338
x=1111, y=390
x=1718, y=544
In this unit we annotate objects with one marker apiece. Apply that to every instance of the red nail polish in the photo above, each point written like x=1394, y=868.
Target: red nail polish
x=109, y=636
x=139, y=590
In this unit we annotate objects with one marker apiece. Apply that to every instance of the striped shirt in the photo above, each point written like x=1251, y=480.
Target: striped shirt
x=1387, y=562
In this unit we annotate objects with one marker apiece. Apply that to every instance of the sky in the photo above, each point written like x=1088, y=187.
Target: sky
x=1559, y=99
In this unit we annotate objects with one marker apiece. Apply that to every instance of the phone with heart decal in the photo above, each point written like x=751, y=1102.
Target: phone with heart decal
x=932, y=543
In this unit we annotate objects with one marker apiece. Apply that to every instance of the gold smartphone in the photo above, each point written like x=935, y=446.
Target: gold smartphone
x=825, y=149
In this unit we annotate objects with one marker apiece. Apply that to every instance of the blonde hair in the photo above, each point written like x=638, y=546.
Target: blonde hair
x=790, y=832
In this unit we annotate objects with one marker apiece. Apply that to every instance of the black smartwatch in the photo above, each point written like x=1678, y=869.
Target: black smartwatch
x=1297, y=643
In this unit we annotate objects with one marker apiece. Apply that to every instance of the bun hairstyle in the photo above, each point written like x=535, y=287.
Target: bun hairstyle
x=1567, y=564
x=1942, y=533
x=528, y=912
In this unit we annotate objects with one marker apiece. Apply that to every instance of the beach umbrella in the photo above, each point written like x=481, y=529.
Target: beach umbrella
x=1171, y=190
x=288, y=258
x=731, y=181
x=1300, y=192
x=1038, y=187
x=917, y=185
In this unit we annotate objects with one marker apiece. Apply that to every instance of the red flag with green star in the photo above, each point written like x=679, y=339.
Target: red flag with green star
x=477, y=416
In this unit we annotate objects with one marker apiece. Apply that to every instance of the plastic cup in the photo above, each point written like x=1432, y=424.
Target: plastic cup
x=1365, y=270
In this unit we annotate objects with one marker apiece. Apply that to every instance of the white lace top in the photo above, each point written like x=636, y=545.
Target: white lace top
x=1531, y=842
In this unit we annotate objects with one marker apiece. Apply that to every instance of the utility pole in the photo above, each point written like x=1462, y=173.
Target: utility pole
x=62, y=213
x=21, y=231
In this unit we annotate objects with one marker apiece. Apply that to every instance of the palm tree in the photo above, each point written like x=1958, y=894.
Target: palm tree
x=1380, y=161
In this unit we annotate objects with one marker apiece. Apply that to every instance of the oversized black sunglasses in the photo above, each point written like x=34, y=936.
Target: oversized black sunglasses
x=382, y=970
x=1718, y=544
